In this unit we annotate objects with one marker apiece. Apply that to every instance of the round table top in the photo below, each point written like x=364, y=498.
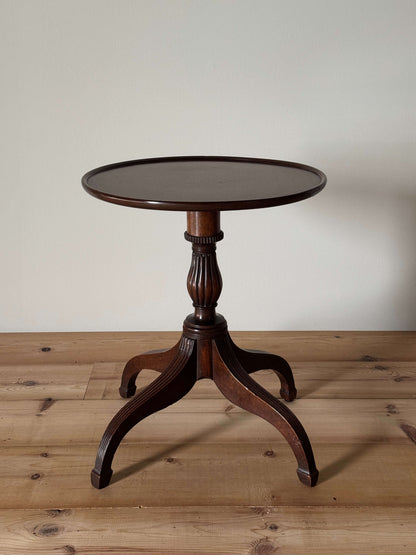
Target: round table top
x=198, y=183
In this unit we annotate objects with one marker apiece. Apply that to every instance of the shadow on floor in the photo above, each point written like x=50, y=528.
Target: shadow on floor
x=357, y=451
x=171, y=448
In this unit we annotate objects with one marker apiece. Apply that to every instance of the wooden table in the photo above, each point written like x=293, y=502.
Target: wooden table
x=203, y=186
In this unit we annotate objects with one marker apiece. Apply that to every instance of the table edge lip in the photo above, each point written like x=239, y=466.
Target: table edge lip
x=204, y=206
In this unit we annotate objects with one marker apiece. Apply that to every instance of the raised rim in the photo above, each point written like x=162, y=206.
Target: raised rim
x=203, y=206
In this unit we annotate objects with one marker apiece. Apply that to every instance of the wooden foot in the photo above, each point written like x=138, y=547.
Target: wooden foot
x=310, y=479
x=235, y=384
x=169, y=387
x=252, y=361
x=152, y=360
x=102, y=480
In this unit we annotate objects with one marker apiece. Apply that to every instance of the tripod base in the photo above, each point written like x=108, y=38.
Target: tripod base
x=206, y=351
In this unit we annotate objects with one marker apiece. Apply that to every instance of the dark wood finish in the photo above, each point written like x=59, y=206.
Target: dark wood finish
x=203, y=224
x=250, y=360
x=235, y=383
x=203, y=186
x=253, y=360
x=199, y=183
x=204, y=277
x=172, y=384
x=206, y=351
x=157, y=360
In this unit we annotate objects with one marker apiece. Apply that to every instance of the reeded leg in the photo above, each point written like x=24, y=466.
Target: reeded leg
x=152, y=360
x=168, y=388
x=252, y=361
x=235, y=383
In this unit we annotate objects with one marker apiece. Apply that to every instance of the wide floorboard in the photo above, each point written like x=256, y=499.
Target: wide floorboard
x=203, y=476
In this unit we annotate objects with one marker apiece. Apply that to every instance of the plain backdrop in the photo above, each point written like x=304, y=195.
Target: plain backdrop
x=330, y=83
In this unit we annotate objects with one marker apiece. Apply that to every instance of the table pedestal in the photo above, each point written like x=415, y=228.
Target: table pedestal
x=206, y=350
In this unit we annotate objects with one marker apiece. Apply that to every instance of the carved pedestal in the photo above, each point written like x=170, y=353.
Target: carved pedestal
x=206, y=350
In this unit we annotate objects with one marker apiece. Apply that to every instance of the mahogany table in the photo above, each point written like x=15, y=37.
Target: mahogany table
x=203, y=186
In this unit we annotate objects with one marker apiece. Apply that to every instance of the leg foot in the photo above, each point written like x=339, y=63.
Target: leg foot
x=252, y=361
x=309, y=479
x=169, y=387
x=102, y=480
x=288, y=394
x=153, y=360
x=235, y=383
x=127, y=391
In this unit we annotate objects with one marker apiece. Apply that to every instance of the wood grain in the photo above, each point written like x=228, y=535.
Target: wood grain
x=58, y=422
x=359, y=413
x=164, y=475
x=77, y=347
x=252, y=530
x=320, y=379
x=212, y=420
x=38, y=381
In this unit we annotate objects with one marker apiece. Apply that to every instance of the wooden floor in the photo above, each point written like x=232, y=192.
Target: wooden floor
x=203, y=476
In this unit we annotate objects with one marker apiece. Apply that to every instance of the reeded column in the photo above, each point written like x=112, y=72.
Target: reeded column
x=204, y=277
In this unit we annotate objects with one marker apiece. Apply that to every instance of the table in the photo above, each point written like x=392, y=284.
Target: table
x=203, y=186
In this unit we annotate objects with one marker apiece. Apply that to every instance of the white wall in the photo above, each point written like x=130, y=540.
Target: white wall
x=325, y=82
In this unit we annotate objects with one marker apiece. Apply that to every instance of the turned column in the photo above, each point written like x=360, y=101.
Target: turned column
x=204, y=278
x=204, y=287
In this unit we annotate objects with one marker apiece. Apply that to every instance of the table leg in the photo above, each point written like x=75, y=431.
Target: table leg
x=253, y=360
x=152, y=360
x=169, y=387
x=237, y=386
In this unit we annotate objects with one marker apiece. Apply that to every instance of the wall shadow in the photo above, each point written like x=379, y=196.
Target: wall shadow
x=366, y=238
